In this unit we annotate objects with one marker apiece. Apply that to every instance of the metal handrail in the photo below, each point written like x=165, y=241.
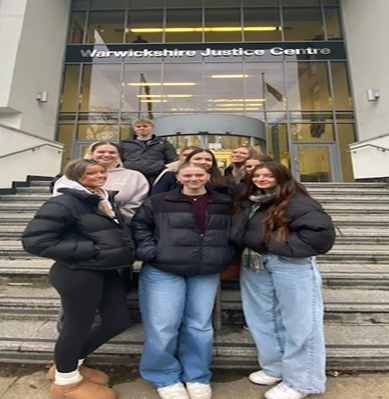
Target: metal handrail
x=378, y=147
x=34, y=148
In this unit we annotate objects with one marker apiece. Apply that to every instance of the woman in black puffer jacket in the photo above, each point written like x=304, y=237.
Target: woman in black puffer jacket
x=80, y=230
x=182, y=236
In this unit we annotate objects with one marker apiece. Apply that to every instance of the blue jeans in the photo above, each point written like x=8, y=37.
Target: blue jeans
x=283, y=307
x=177, y=319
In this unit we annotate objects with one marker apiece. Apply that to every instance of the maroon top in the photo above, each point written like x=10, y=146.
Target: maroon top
x=200, y=203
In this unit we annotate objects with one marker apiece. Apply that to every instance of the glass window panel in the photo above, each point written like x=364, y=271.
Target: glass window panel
x=340, y=82
x=108, y=3
x=101, y=86
x=263, y=3
x=307, y=116
x=66, y=136
x=77, y=28
x=277, y=144
x=185, y=19
x=302, y=24
x=330, y=1
x=145, y=23
x=262, y=19
x=186, y=97
x=346, y=136
x=105, y=27
x=148, y=3
x=80, y=4
x=263, y=79
x=314, y=163
x=223, y=88
x=347, y=116
x=307, y=86
x=142, y=87
x=184, y=141
x=98, y=131
x=221, y=3
x=332, y=21
x=299, y=2
x=227, y=23
x=69, y=98
x=316, y=131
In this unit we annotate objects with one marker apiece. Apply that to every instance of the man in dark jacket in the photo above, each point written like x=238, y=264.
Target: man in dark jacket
x=146, y=153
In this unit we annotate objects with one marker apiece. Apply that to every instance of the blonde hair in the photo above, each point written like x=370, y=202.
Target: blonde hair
x=94, y=146
x=143, y=122
x=239, y=171
x=75, y=170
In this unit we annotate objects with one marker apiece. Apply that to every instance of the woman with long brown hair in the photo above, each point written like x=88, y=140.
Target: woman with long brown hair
x=281, y=229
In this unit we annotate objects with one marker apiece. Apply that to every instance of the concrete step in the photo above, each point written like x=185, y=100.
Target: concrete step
x=35, y=298
x=349, y=347
x=366, y=186
x=11, y=198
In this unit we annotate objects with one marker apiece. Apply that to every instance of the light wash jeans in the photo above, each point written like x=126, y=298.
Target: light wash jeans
x=177, y=319
x=283, y=307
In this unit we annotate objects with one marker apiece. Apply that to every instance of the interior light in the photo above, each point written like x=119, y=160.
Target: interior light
x=210, y=29
x=238, y=105
x=166, y=95
x=163, y=84
x=233, y=109
x=153, y=101
x=237, y=100
x=229, y=76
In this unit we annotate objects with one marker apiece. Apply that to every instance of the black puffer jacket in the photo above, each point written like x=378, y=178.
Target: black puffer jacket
x=166, y=234
x=71, y=229
x=310, y=229
x=149, y=159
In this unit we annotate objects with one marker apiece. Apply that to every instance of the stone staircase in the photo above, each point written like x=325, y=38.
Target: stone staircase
x=355, y=278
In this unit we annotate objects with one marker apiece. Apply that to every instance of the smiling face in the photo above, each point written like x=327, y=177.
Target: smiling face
x=202, y=158
x=240, y=155
x=264, y=179
x=95, y=176
x=193, y=178
x=106, y=155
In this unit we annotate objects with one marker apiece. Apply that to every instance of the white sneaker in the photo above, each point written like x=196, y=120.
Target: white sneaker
x=198, y=390
x=175, y=391
x=261, y=378
x=281, y=391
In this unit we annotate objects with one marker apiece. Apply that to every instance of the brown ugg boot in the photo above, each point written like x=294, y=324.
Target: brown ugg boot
x=91, y=375
x=81, y=390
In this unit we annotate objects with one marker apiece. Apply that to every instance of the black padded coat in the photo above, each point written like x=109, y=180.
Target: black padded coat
x=71, y=229
x=311, y=231
x=167, y=236
x=149, y=159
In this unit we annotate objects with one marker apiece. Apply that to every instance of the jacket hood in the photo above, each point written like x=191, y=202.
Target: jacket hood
x=65, y=184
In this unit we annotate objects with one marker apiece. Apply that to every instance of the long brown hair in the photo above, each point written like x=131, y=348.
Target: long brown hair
x=286, y=188
x=217, y=178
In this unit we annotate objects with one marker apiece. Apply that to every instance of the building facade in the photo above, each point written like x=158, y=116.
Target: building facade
x=304, y=80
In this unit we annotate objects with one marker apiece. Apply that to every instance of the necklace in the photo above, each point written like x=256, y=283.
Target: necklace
x=195, y=197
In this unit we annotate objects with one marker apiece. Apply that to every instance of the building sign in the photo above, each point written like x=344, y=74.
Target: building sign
x=283, y=51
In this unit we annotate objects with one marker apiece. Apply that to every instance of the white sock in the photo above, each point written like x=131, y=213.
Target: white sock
x=80, y=362
x=67, y=378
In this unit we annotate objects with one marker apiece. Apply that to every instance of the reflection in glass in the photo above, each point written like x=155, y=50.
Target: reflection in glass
x=267, y=19
x=145, y=23
x=80, y=4
x=184, y=141
x=299, y=2
x=148, y=3
x=100, y=90
x=302, y=24
x=308, y=86
x=98, y=132
x=69, y=99
x=314, y=164
x=340, y=82
x=223, y=88
x=346, y=136
x=332, y=22
x=142, y=89
x=182, y=92
x=317, y=130
x=105, y=27
x=262, y=80
x=66, y=136
x=277, y=142
x=225, y=24
x=263, y=3
x=181, y=23
x=77, y=28
x=108, y=3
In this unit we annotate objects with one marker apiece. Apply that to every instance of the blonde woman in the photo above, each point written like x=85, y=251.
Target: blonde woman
x=235, y=172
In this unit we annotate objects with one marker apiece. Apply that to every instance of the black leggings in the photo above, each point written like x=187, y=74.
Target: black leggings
x=83, y=292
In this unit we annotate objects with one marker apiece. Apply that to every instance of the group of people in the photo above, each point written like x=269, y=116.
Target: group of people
x=186, y=220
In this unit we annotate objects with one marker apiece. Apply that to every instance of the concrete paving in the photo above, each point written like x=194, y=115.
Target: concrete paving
x=227, y=384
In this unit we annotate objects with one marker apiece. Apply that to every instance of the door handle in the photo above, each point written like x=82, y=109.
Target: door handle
x=297, y=164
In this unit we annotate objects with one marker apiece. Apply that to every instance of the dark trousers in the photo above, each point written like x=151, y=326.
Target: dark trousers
x=83, y=293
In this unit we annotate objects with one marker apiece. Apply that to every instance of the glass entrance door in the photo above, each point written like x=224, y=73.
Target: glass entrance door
x=315, y=163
